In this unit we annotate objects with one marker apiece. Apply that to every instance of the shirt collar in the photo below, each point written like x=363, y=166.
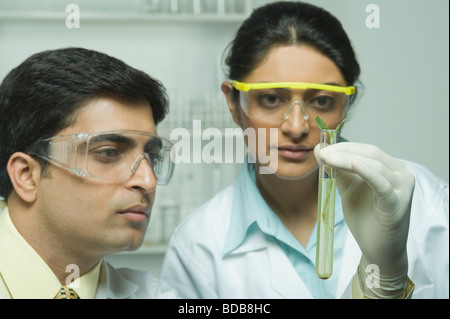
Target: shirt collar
x=250, y=214
x=26, y=274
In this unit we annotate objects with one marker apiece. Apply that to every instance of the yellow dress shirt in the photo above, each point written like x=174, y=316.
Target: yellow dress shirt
x=23, y=273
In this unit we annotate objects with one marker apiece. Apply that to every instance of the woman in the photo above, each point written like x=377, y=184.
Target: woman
x=289, y=63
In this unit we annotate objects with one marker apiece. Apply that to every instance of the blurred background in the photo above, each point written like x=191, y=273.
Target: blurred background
x=404, y=61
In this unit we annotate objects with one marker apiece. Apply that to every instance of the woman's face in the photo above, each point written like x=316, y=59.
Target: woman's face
x=291, y=151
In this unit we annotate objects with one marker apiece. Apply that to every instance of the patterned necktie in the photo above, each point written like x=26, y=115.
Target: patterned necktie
x=66, y=293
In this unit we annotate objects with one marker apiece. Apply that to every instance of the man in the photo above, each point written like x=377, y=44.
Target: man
x=79, y=162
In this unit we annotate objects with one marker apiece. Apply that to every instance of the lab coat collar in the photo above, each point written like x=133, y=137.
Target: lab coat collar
x=254, y=240
x=242, y=219
x=283, y=277
x=113, y=285
x=244, y=235
x=250, y=211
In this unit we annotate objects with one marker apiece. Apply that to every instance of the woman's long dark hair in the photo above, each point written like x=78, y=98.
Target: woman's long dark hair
x=290, y=23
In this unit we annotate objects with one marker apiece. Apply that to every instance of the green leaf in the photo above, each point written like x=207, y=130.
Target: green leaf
x=323, y=126
x=320, y=123
x=340, y=124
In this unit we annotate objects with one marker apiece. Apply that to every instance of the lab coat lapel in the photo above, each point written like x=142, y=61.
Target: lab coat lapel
x=284, y=280
x=283, y=277
x=350, y=261
x=253, y=242
x=113, y=285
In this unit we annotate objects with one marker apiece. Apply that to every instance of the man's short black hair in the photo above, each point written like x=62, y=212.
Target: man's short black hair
x=40, y=97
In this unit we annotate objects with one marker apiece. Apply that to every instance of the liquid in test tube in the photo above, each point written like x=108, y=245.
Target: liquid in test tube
x=325, y=212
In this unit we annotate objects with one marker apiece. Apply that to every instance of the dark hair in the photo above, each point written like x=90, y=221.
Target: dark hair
x=40, y=97
x=290, y=23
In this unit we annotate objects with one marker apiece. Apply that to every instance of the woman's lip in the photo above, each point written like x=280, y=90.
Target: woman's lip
x=291, y=147
x=295, y=152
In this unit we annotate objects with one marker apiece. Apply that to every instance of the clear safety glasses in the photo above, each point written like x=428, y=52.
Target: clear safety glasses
x=274, y=102
x=114, y=156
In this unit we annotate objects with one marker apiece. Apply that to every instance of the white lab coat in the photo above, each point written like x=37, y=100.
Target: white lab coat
x=195, y=267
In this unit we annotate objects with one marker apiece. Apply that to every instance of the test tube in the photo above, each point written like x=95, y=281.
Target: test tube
x=196, y=7
x=174, y=6
x=221, y=7
x=325, y=211
x=151, y=6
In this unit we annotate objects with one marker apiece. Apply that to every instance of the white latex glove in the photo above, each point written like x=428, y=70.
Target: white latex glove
x=376, y=191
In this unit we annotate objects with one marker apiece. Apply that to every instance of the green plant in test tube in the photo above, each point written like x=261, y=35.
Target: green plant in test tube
x=326, y=205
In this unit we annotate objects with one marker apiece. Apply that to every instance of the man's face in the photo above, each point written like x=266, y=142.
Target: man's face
x=97, y=217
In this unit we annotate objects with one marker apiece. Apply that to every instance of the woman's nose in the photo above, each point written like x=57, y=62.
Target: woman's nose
x=296, y=119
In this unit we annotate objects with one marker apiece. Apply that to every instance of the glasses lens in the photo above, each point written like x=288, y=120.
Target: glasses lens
x=274, y=105
x=163, y=165
x=116, y=156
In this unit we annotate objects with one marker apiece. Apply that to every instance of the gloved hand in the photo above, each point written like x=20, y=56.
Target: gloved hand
x=376, y=191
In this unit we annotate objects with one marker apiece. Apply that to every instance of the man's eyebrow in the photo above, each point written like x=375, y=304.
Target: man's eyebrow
x=153, y=143
x=117, y=138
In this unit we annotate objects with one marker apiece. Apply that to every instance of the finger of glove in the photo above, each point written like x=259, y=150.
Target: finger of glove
x=376, y=171
x=344, y=162
x=380, y=179
x=391, y=168
x=363, y=150
x=371, y=189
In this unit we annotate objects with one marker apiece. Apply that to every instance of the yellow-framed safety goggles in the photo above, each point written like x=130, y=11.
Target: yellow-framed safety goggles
x=273, y=102
x=241, y=86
